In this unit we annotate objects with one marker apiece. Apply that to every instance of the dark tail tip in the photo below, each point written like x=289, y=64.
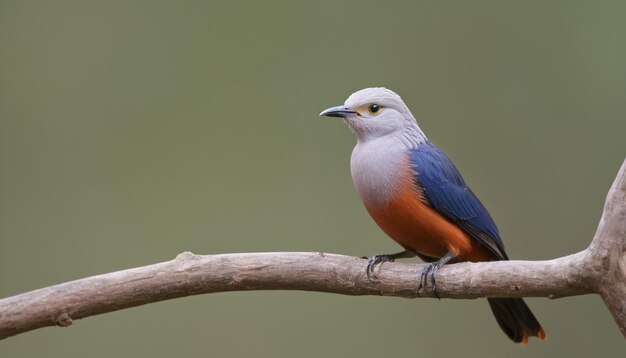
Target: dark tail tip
x=516, y=319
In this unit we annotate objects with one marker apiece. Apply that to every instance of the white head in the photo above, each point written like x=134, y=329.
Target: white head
x=377, y=112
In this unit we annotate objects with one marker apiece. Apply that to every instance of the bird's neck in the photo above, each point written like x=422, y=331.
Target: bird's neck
x=411, y=137
x=408, y=137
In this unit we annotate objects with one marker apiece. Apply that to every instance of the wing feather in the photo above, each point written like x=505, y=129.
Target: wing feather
x=446, y=191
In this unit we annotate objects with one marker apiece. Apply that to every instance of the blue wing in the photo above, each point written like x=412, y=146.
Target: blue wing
x=446, y=191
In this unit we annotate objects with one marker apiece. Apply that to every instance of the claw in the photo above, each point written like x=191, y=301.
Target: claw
x=433, y=267
x=433, y=280
x=429, y=266
x=375, y=260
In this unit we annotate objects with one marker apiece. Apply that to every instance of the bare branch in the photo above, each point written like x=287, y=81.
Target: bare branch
x=599, y=269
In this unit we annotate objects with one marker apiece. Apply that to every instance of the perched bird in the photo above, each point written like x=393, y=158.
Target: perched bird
x=418, y=197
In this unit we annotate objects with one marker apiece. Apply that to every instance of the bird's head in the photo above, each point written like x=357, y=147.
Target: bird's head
x=375, y=112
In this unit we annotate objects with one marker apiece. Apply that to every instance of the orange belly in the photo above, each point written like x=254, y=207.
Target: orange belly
x=418, y=227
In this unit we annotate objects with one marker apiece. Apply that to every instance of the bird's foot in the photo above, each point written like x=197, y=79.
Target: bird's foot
x=376, y=260
x=432, y=268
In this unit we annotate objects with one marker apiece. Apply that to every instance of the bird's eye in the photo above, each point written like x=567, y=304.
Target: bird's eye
x=374, y=109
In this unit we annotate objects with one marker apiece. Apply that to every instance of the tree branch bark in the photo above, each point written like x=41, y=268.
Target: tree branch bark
x=601, y=269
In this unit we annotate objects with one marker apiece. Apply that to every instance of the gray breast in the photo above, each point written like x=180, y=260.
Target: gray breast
x=376, y=169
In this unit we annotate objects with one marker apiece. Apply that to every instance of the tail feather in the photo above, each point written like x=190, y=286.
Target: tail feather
x=516, y=319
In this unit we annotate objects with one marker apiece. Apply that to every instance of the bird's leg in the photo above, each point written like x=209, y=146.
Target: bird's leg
x=433, y=267
x=377, y=259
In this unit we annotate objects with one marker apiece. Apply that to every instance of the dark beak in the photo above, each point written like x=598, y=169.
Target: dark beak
x=338, y=111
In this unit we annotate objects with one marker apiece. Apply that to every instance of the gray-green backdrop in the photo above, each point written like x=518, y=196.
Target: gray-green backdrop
x=132, y=131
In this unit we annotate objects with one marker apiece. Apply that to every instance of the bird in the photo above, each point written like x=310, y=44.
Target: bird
x=418, y=197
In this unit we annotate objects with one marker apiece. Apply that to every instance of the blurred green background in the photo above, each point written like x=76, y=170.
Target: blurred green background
x=133, y=131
